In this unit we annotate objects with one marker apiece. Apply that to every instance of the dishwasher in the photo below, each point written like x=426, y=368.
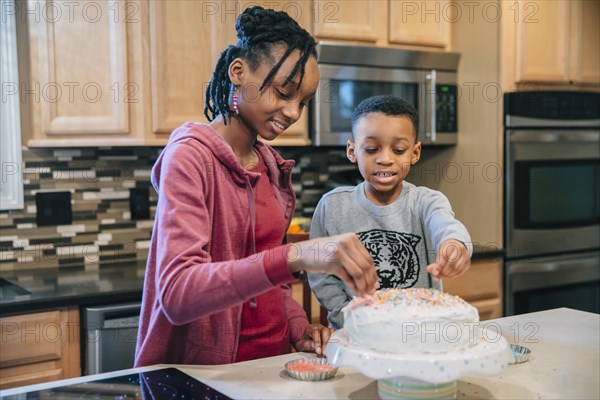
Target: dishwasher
x=110, y=333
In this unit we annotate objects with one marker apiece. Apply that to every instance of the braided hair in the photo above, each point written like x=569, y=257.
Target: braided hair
x=258, y=31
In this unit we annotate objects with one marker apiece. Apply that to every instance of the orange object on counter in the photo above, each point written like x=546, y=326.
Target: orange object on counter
x=295, y=229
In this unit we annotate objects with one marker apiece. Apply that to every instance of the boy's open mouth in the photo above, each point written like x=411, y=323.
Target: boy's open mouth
x=384, y=174
x=384, y=177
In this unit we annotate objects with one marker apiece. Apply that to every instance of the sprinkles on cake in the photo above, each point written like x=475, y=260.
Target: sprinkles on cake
x=415, y=297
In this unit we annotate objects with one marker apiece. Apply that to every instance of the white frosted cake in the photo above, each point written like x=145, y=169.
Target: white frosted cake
x=411, y=321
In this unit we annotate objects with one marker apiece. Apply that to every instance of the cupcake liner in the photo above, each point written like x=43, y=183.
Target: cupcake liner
x=520, y=353
x=310, y=369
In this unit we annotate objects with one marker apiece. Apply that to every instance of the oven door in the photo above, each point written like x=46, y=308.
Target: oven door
x=544, y=283
x=342, y=87
x=552, y=192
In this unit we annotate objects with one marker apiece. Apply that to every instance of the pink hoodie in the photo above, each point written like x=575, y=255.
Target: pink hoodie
x=201, y=266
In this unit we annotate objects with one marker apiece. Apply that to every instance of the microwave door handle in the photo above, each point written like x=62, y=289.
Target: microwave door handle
x=430, y=84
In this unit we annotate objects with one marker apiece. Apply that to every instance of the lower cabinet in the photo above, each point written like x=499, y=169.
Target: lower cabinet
x=39, y=347
x=481, y=286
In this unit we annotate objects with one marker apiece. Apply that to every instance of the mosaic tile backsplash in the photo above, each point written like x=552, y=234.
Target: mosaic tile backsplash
x=100, y=182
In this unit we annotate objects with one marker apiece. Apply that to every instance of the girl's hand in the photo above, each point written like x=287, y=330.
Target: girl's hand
x=343, y=256
x=315, y=339
x=452, y=260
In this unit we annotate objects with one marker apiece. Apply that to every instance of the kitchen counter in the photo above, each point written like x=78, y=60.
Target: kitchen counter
x=47, y=288
x=564, y=363
x=42, y=289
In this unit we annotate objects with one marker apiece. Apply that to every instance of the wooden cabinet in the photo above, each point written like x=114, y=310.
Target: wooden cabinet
x=384, y=22
x=425, y=23
x=86, y=73
x=39, y=347
x=553, y=42
x=481, y=286
x=122, y=73
x=586, y=21
x=349, y=20
x=185, y=42
x=186, y=39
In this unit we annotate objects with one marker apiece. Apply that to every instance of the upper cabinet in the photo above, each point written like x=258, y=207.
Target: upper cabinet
x=349, y=20
x=185, y=42
x=86, y=72
x=384, y=22
x=114, y=73
x=554, y=42
x=420, y=23
x=587, y=27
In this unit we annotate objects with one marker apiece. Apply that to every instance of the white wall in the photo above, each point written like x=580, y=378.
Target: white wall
x=468, y=173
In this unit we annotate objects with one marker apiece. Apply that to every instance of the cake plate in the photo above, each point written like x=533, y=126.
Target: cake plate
x=430, y=376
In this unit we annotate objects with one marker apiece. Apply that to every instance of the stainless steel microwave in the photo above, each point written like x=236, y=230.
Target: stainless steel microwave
x=351, y=73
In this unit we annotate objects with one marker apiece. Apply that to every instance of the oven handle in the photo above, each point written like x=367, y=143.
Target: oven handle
x=538, y=274
x=430, y=87
x=521, y=136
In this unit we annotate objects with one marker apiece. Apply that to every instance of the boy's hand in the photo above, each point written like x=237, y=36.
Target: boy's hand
x=343, y=256
x=452, y=260
x=315, y=339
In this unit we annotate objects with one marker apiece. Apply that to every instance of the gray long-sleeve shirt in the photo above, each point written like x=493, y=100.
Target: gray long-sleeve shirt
x=402, y=237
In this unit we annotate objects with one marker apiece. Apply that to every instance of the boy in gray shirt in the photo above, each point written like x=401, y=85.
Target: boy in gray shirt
x=410, y=231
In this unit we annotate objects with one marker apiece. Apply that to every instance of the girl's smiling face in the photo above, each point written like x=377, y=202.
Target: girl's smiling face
x=268, y=113
x=384, y=147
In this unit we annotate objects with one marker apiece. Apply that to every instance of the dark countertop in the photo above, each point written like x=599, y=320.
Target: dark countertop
x=71, y=286
x=95, y=284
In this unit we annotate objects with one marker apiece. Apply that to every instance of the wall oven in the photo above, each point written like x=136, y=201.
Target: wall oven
x=552, y=201
x=351, y=73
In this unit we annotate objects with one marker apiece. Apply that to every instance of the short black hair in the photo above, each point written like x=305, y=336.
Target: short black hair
x=388, y=105
x=258, y=31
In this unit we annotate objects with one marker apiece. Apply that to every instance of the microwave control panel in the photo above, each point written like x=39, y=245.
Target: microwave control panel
x=446, y=113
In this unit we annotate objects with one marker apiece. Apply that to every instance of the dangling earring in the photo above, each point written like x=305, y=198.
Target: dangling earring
x=236, y=99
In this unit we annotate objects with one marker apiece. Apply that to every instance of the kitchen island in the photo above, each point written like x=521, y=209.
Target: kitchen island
x=564, y=363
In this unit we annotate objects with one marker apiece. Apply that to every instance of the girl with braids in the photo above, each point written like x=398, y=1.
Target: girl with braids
x=216, y=287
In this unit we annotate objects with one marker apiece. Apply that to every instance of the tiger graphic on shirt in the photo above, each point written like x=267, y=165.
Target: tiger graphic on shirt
x=395, y=257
